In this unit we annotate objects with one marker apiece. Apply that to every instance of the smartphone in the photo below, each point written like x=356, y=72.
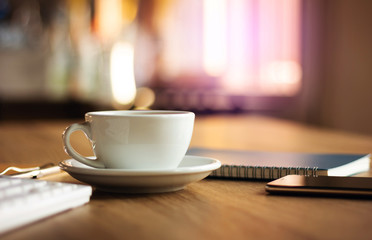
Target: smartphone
x=321, y=185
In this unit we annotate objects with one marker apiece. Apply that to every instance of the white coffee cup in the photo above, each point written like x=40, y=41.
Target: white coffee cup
x=134, y=139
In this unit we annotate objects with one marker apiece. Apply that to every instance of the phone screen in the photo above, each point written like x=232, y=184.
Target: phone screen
x=321, y=185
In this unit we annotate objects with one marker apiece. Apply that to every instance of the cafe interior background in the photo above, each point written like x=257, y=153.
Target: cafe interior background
x=303, y=60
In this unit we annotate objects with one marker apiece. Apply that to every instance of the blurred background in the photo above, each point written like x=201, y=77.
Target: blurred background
x=305, y=60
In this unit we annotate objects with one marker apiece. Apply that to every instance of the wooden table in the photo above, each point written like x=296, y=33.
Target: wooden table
x=209, y=209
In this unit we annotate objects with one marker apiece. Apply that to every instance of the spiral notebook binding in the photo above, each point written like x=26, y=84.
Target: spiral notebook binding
x=261, y=172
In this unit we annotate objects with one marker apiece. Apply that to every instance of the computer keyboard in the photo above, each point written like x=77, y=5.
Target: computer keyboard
x=23, y=201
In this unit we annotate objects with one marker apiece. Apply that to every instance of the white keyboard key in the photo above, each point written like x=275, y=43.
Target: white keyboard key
x=23, y=201
x=5, y=183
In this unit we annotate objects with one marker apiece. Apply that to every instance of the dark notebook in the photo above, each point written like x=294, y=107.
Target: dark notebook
x=273, y=165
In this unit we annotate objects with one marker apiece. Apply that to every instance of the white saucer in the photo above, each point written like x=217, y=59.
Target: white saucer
x=191, y=169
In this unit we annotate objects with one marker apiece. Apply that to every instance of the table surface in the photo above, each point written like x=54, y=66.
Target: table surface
x=208, y=209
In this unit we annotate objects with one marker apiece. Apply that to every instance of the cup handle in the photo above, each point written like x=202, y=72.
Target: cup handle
x=85, y=127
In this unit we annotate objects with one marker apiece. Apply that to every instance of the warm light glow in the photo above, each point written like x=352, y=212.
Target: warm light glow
x=249, y=47
x=109, y=18
x=122, y=73
x=180, y=29
x=130, y=8
x=284, y=72
x=279, y=47
x=214, y=37
x=281, y=77
x=145, y=97
x=240, y=68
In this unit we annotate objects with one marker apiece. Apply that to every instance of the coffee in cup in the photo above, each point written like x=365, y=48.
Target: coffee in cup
x=134, y=139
